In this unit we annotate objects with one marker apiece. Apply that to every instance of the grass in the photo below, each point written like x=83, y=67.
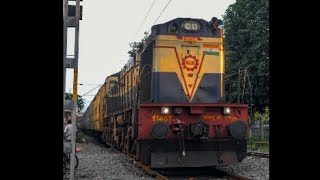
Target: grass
x=80, y=136
x=251, y=146
x=263, y=148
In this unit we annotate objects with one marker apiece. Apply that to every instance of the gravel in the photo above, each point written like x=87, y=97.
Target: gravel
x=253, y=167
x=97, y=162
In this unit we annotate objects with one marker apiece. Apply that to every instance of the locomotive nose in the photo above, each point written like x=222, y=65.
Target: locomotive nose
x=238, y=129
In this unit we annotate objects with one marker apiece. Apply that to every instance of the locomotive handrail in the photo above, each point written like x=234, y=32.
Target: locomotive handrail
x=143, y=70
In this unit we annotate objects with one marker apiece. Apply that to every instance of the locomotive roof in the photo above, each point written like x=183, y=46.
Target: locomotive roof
x=206, y=30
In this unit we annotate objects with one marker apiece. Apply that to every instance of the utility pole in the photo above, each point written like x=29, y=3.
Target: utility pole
x=71, y=18
x=65, y=15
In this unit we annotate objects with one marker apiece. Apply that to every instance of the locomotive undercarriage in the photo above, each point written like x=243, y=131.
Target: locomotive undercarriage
x=166, y=153
x=119, y=135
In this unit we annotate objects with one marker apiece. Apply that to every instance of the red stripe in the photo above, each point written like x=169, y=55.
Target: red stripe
x=175, y=50
x=197, y=105
x=188, y=38
x=195, y=83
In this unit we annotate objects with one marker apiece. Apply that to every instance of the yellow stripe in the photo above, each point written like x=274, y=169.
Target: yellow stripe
x=210, y=46
x=222, y=64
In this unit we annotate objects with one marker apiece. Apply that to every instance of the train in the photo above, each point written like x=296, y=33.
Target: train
x=166, y=106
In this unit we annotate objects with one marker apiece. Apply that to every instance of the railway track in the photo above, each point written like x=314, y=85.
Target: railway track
x=232, y=176
x=184, y=173
x=187, y=173
x=259, y=154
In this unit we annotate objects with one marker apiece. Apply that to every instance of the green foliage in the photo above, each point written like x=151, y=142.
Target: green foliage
x=263, y=116
x=251, y=146
x=246, y=25
x=79, y=136
x=137, y=45
x=80, y=102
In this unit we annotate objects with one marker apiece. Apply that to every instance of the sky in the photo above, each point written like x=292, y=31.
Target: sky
x=108, y=26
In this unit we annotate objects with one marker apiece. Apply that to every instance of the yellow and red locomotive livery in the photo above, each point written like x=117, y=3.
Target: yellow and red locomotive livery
x=166, y=105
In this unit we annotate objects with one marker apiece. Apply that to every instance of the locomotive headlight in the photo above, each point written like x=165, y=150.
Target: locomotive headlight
x=187, y=26
x=191, y=25
x=195, y=27
x=226, y=110
x=165, y=110
x=177, y=110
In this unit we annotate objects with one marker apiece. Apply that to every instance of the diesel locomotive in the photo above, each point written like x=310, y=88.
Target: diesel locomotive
x=166, y=105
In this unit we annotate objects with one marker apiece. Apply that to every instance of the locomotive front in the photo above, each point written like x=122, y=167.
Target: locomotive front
x=182, y=120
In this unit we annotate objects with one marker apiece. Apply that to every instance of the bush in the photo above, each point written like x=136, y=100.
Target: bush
x=80, y=135
x=261, y=116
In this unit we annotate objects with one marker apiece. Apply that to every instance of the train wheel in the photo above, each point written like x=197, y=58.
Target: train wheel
x=136, y=144
x=118, y=143
x=128, y=144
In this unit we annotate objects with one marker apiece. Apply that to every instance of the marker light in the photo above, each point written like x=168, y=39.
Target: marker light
x=165, y=110
x=226, y=110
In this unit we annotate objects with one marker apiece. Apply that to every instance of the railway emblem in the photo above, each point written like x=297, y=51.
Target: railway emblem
x=190, y=62
x=190, y=67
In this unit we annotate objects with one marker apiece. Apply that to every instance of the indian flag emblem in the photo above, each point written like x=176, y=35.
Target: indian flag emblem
x=211, y=49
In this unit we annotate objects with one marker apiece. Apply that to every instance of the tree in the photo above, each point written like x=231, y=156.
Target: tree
x=137, y=45
x=246, y=25
x=80, y=101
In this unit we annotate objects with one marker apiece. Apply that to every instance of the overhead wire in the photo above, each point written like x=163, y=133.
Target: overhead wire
x=92, y=90
x=145, y=17
x=160, y=14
